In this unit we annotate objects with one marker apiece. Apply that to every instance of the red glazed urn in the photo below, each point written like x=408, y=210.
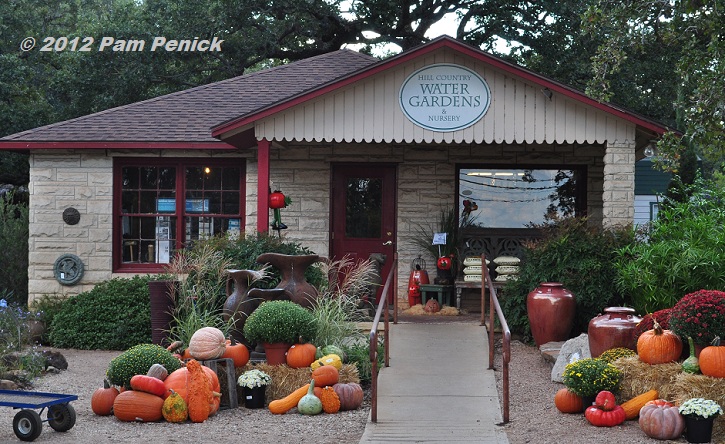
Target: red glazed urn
x=615, y=328
x=551, y=309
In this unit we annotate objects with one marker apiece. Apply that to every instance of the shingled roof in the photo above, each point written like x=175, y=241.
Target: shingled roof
x=188, y=116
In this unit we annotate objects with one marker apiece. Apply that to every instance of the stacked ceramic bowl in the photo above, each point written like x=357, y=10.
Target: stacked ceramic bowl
x=472, y=269
x=507, y=268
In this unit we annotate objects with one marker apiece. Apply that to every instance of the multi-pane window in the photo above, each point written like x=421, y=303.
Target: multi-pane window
x=165, y=205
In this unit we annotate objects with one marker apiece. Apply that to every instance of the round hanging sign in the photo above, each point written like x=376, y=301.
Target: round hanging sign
x=68, y=269
x=444, y=97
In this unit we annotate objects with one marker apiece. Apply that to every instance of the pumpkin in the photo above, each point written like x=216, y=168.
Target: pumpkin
x=567, y=401
x=158, y=371
x=148, y=384
x=605, y=400
x=325, y=375
x=712, y=359
x=237, y=352
x=658, y=346
x=604, y=418
x=691, y=364
x=174, y=408
x=350, y=394
x=661, y=421
x=301, y=355
x=133, y=405
x=284, y=405
x=330, y=400
x=102, y=399
x=633, y=406
x=177, y=381
x=200, y=396
x=310, y=404
x=432, y=306
x=207, y=343
x=331, y=359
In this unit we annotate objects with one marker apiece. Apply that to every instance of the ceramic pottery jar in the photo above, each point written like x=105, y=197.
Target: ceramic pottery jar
x=551, y=309
x=614, y=328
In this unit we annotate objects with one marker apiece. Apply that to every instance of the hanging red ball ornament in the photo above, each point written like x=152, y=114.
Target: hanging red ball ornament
x=444, y=263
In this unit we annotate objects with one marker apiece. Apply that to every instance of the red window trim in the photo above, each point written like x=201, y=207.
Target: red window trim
x=179, y=163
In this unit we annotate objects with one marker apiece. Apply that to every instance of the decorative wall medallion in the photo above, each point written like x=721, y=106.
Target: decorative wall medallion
x=68, y=269
x=71, y=216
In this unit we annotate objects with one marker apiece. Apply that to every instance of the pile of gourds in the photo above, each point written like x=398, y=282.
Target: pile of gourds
x=658, y=418
x=324, y=393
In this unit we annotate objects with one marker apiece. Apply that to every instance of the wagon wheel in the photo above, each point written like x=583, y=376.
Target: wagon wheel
x=61, y=417
x=27, y=425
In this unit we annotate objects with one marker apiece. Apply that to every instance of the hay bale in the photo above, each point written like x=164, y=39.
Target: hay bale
x=419, y=310
x=688, y=386
x=285, y=379
x=639, y=377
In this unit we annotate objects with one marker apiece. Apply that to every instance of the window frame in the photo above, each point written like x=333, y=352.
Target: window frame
x=180, y=163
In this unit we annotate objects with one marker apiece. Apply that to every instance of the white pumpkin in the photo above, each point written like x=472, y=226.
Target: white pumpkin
x=207, y=343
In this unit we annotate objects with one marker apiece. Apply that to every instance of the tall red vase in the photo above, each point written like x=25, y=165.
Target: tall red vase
x=615, y=328
x=551, y=309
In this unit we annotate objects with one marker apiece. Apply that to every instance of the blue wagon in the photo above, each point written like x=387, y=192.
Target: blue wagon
x=27, y=423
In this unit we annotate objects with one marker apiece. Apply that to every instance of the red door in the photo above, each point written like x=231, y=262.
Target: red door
x=363, y=213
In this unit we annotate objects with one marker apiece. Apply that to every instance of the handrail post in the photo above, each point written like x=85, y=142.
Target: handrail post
x=383, y=307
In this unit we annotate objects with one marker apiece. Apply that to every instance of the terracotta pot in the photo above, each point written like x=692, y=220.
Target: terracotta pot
x=162, y=296
x=275, y=353
x=293, y=275
x=551, y=309
x=614, y=328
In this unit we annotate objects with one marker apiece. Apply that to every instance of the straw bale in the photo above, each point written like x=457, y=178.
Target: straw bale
x=688, y=386
x=639, y=377
x=285, y=379
x=418, y=309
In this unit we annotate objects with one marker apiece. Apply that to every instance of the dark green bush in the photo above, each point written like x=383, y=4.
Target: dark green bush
x=577, y=255
x=114, y=315
x=45, y=309
x=137, y=360
x=14, y=249
x=359, y=354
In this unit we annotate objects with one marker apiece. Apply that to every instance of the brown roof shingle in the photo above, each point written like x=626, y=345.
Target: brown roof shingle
x=189, y=115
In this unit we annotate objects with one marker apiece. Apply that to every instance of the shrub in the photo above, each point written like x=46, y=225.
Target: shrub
x=682, y=255
x=589, y=376
x=46, y=308
x=699, y=315
x=14, y=249
x=114, y=315
x=280, y=321
x=359, y=354
x=137, y=360
x=575, y=254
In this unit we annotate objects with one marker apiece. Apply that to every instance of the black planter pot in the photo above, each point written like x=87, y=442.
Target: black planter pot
x=254, y=398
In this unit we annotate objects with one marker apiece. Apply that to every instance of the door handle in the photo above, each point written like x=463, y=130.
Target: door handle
x=388, y=243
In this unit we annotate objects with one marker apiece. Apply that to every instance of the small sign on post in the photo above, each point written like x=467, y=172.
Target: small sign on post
x=439, y=239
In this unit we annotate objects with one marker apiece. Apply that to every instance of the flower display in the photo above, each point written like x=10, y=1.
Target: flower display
x=589, y=376
x=647, y=322
x=613, y=354
x=280, y=321
x=701, y=408
x=254, y=378
x=700, y=315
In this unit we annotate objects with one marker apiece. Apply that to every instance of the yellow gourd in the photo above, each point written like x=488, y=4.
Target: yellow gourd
x=633, y=406
x=331, y=359
x=174, y=408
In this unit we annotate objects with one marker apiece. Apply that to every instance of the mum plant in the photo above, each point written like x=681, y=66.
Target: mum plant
x=700, y=315
x=280, y=321
x=700, y=408
x=589, y=376
x=254, y=378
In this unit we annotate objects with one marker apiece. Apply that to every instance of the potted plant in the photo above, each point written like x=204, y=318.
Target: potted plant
x=589, y=376
x=699, y=413
x=700, y=315
x=253, y=384
x=282, y=323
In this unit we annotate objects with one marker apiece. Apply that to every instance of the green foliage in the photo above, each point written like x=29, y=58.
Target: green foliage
x=14, y=332
x=114, y=315
x=589, y=376
x=137, y=360
x=359, y=354
x=280, y=321
x=14, y=249
x=243, y=251
x=683, y=254
x=45, y=309
x=613, y=354
x=577, y=255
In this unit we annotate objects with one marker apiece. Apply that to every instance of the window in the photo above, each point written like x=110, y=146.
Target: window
x=516, y=197
x=162, y=205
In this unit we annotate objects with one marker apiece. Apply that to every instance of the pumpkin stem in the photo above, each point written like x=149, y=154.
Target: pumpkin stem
x=716, y=341
x=657, y=327
x=106, y=384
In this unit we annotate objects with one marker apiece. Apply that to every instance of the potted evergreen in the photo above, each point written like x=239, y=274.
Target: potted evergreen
x=277, y=325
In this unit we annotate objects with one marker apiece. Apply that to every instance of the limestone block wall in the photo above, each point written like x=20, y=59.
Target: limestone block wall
x=618, y=207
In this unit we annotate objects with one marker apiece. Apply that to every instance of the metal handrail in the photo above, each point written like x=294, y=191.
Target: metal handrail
x=506, y=333
x=382, y=309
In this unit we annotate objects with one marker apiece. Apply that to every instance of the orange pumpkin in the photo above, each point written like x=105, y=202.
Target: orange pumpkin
x=132, y=405
x=148, y=384
x=238, y=352
x=102, y=399
x=658, y=346
x=207, y=343
x=325, y=375
x=712, y=359
x=301, y=355
x=177, y=381
x=567, y=401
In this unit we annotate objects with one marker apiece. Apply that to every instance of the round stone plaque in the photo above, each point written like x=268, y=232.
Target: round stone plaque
x=68, y=269
x=71, y=216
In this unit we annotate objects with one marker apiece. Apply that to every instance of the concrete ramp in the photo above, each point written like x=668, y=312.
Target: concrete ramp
x=438, y=388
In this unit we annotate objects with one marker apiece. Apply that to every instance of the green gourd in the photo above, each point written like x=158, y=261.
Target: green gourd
x=329, y=350
x=310, y=404
x=691, y=364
